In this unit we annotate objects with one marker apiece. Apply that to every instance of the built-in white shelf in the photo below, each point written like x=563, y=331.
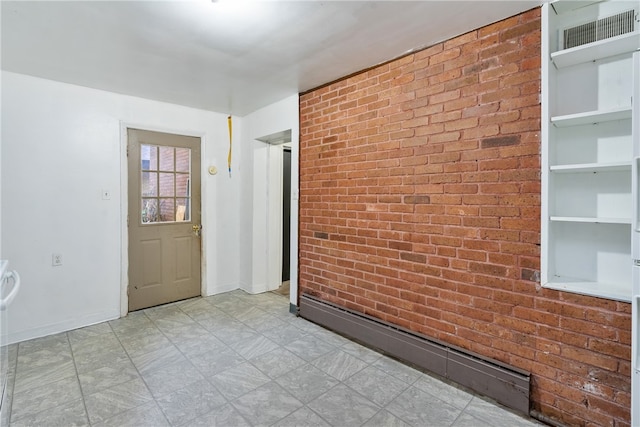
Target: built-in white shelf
x=613, y=46
x=592, y=117
x=592, y=167
x=589, y=140
x=614, y=291
x=590, y=220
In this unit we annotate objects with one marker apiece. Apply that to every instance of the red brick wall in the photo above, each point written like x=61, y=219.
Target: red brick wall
x=420, y=205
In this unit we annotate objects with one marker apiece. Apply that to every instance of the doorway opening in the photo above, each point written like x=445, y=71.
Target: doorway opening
x=278, y=211
x=286, y=221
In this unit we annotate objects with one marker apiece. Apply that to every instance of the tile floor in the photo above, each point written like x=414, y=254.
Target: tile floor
x=230, y=360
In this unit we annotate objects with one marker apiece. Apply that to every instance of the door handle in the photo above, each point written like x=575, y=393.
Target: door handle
x=197, y=228
x=4, y=302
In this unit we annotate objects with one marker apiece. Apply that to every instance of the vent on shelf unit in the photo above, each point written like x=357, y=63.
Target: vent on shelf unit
x=601, y=29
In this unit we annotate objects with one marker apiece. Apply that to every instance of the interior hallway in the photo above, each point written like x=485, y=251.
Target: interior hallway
x=229, y=360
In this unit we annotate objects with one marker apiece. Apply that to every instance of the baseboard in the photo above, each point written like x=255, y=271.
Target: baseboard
x=255, y=288
x=221, y=289
x=506, y=384
x=64, y=326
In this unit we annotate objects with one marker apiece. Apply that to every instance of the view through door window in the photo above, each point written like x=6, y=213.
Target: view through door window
x=165, y=181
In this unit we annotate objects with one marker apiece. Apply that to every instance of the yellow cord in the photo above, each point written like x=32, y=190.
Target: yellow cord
x=229, y=157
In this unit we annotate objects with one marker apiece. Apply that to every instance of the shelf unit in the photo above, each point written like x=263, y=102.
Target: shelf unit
x=597, y=50
x=592, y=117
x=589, y=141
x=591, y=167
x=598, y=220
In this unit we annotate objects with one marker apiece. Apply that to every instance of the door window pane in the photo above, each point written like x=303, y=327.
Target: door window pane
x=182, y=210
x=149, y=184
x=149, y=210
x=166, y=159
x=165, y=196
x=167, y=184
x=149, y=157
x=182, y=185
x=167, y=210
x=183, y=160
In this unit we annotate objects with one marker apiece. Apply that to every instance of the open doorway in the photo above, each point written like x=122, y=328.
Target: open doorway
x=286, y=221
x=278, y=198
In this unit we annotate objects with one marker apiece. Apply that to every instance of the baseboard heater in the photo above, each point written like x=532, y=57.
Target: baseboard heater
x=503, y=383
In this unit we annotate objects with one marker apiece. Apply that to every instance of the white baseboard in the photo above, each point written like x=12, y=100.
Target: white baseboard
x=64, y=326
x=256, y=288
x=220, y=289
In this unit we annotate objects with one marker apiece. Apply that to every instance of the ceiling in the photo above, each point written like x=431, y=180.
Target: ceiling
x=229, y=56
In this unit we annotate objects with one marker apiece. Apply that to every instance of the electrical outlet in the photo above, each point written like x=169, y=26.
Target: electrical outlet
x=56, y=260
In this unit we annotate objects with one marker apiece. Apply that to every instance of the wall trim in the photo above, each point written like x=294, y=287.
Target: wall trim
x=64, y=326
x=293, y=309
x=258, y=288
x=506, y=384
x=221, y=289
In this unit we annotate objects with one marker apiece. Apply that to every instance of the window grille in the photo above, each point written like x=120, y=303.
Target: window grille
x=601, y=29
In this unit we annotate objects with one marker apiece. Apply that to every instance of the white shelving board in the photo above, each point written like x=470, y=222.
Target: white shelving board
x=607, y=290
x=592, y=117
x=597, y=50
x=590, y=220
x=592, y=167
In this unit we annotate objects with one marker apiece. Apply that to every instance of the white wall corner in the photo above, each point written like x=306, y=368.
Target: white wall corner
x=261, y=231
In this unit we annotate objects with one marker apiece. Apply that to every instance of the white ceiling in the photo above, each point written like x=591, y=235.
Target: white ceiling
x=232, y=56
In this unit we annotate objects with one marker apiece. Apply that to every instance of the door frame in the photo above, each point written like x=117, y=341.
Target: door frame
x=124, y=205
x=275, y=178
x=271, y=191
x=275, y=213
x=286, y=232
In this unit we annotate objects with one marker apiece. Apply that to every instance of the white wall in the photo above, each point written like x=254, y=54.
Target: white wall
x=266, y=242
x=61, y=146
x=259, y=238
x=224, y=204
x=258, y=221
